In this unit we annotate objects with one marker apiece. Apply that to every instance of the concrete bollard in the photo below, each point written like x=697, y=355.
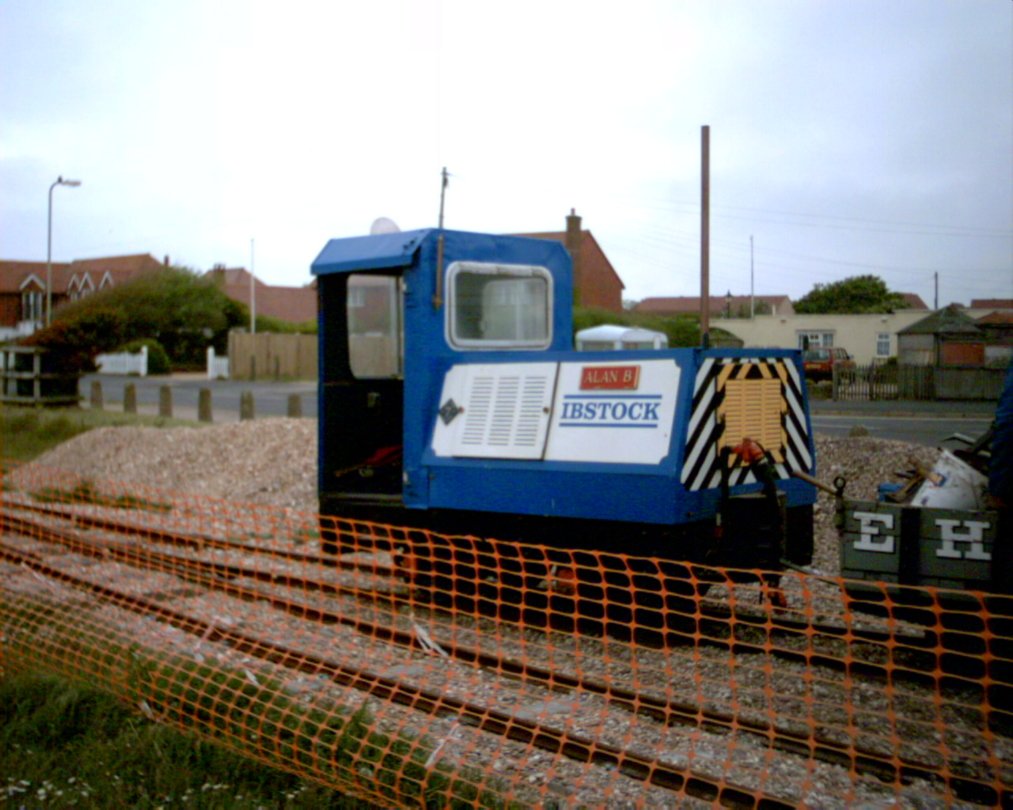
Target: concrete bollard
x=246, y=410
x=204, y=405
x=294, y=406
x=129, y=398
x=165, y=401
x=96, y=394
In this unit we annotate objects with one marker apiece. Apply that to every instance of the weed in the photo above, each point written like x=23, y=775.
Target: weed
x=86, y=493
x=26, y=433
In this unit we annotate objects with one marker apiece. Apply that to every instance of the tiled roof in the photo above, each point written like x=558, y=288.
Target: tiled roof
x=122, y=266
x=291, y=304
x=14, y=273
x=991, y=303
x=592, y=257
x=912, y=301
x=690, y=304
x=994, y=318
x=951, y=320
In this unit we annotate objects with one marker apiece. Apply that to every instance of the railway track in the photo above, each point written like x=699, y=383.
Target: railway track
x=93, y=535
x=911, y=655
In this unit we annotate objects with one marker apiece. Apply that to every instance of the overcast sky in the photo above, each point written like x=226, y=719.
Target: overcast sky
x=847, y=136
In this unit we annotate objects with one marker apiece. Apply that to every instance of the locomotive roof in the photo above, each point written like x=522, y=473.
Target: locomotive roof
x=387, y=250
x=368, y=252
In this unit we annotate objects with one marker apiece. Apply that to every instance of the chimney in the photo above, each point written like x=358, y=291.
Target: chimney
x=572, y=242
x=166, y=261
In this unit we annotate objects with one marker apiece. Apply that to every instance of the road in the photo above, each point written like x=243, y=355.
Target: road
x=925, y=423
x=927, y=430
x=270, y=398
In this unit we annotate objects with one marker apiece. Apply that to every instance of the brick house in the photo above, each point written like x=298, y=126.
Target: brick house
x=595, y=281
x=23, y=286
x=290, y=304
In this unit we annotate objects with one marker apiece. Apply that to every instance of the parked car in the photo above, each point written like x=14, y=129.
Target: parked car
x=819, y=364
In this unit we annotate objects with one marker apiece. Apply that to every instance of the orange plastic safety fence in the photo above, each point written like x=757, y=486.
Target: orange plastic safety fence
x=407, y=667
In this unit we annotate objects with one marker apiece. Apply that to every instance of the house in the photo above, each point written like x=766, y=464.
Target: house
x=868, y=338
x=595, y=281
x=290, y=304
x=991, y=303
x=23, y=286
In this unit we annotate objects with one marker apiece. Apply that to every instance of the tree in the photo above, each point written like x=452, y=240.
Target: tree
x=184, y=311
x=683, y=330
x=856, y=295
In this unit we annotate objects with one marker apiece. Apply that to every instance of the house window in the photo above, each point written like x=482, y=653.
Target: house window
x=31, y=306
x=882, y=344
x=815, y=340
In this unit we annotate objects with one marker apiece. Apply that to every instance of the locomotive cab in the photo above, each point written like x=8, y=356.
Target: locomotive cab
x=450, y=397
x=388, y=325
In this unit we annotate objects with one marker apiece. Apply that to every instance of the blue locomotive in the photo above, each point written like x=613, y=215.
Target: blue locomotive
x=451, y=398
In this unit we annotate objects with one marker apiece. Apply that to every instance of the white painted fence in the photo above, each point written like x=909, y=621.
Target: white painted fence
x=218, y=367
x=124, y=363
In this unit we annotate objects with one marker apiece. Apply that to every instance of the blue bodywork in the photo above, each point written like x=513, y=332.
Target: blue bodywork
x=638, y=493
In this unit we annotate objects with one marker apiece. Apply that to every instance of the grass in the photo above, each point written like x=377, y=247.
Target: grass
x=27, y=433
x=66, y=745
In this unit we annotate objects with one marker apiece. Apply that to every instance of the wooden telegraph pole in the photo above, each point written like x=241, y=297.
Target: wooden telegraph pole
x=705, y=202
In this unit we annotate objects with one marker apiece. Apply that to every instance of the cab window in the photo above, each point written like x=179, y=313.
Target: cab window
x=374, y=326
x=498, y=306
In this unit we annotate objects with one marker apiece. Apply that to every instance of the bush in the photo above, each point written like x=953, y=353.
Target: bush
x=158, y=360
x=73, y=344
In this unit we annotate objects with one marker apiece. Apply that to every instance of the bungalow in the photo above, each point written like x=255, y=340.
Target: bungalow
x=720, y=306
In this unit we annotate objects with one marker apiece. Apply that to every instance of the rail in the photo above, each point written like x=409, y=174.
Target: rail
x=414, y=668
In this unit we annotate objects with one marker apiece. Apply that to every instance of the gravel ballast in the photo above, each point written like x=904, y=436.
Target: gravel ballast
x=274, y=461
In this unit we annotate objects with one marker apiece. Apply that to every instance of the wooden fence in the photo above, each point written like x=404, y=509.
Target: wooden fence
x=269, y=356
x=874, y=382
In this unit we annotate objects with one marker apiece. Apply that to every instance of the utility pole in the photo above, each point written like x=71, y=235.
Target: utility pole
x=253, y=296
x=705, y=202
x=935, y=301
x=752, y=306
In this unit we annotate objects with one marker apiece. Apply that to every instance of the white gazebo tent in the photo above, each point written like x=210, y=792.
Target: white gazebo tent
x=608, y=337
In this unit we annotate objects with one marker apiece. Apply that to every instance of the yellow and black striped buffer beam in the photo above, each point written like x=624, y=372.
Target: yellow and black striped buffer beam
x=758, y=398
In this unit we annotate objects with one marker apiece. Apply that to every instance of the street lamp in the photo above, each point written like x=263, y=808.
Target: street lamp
x=49, y=246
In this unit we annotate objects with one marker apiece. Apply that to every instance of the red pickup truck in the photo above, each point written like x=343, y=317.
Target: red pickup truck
x=819, y=364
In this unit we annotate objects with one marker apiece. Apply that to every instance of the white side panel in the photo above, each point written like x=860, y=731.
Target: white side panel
x=619, y=412
x=495, y=410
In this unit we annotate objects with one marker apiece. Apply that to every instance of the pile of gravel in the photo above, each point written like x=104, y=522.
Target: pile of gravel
x=268, y=461
x=274, y=461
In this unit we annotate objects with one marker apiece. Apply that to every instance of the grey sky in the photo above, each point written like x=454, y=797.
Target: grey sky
x=847, y=136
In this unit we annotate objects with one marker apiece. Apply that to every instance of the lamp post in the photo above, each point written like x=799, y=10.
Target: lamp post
x=49, y=246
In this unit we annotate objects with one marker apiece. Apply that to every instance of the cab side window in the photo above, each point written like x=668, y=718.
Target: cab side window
x=375, y=335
